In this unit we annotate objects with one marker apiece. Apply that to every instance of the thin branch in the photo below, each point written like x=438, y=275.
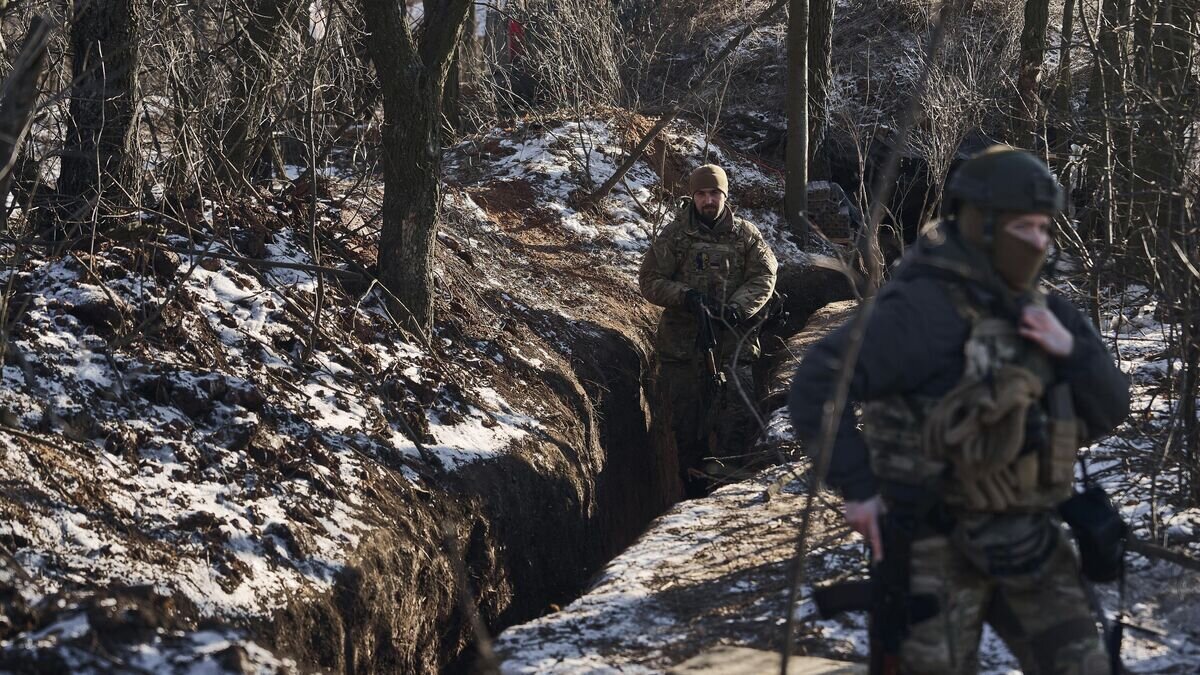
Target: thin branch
x=255, y=262
x=885, y=181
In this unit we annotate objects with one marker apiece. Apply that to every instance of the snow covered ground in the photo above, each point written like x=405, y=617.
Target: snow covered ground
x=713, y=571
x=1162, y=597
x=174, y=421
x=172, y=425
x=176, y=437
x=177, y=428
x=563, y=161
x=710, y=571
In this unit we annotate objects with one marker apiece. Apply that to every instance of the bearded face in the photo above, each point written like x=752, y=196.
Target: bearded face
x=709, y=202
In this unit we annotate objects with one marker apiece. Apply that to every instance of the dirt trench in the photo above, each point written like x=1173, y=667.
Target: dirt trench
x=537, y=523
x=532, y=525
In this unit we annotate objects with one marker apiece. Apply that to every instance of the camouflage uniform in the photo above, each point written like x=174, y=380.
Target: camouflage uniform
x=1041, y=614
x=1000, y=554
x=731, y=264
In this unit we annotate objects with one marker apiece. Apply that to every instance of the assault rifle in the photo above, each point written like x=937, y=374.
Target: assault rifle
x=886, y=595
x=712, y=387
x=706, y=344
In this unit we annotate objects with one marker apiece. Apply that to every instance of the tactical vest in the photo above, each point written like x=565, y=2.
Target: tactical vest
x=971, y=445
x=712, y=263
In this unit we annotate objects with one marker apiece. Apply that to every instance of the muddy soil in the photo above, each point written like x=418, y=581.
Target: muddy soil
x=526, y=311
x=534, y=524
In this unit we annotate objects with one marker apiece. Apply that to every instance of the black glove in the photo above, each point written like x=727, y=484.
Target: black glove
x=732, y=314
x=696, y=301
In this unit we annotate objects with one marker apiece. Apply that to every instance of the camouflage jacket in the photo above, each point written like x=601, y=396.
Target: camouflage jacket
x=729, y=262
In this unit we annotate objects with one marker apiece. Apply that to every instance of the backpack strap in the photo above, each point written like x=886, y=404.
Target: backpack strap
x=961, y=300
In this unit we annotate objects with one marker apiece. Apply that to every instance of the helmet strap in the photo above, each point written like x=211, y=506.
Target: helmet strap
x=989, y=228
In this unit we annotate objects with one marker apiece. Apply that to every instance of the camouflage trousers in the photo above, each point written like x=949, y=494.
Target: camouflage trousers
x=705, y=424
x=1042, y=615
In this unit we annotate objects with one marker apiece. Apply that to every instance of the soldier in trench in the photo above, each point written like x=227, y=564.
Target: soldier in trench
x=707, y=269
x=976, y=388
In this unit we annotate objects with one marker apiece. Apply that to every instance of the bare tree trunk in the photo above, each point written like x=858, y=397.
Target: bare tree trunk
x=255, y=77
x=104, y=63
x=1110, y=62
x=1064, y=116
x=1065, y=121
x=820, y=73
x=1065, y=89
x=452, y=94
x=412, y=75
x=1107, y=110
x=1067, y=131
x=795, y=196
x=1029, y=72
x=1188, y=412
x=452, y=97
x=1145, y=13
x=19, y=102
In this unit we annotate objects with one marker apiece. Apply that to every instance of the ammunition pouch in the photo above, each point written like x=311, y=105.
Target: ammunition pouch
x=979, y=429
x=1099, y=532
x=1064, y=439
x=892, y=428
x=1003, y=440
x=991, y=467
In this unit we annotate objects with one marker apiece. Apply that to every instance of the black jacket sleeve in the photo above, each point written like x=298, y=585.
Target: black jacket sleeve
x=908, y=335
x=1100, y=390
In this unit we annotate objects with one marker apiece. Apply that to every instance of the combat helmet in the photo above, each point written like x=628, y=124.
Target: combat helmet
x=1003, y=178
x=997, y=184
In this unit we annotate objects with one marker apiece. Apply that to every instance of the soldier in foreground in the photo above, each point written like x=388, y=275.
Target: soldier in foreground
x=976, y=391
x=711, y=272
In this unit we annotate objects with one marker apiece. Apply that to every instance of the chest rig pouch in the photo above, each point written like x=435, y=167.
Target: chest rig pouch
x=1002, y=440
x=711, y=263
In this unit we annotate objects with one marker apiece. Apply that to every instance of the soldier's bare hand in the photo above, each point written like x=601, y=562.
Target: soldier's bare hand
x=863, y=518
x=1042, y=327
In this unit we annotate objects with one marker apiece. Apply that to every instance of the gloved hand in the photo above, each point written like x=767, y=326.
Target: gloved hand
x=696, y=301
x=733, y=314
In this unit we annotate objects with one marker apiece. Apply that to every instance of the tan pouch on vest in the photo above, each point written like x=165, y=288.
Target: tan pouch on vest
x=979, y=427
x=1058, y=461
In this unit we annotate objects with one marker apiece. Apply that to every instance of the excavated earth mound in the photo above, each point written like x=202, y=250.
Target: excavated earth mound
x=221, y=452
x=203, y=467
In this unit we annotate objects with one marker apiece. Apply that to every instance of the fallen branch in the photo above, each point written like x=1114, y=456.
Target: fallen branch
x=673, y=111
x=255, y=262
x=1152, y=550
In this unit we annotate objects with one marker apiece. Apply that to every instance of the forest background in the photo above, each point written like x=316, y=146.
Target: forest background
x=130, y=123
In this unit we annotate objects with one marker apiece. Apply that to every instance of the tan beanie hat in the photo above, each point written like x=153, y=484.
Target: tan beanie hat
x=708, y=176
